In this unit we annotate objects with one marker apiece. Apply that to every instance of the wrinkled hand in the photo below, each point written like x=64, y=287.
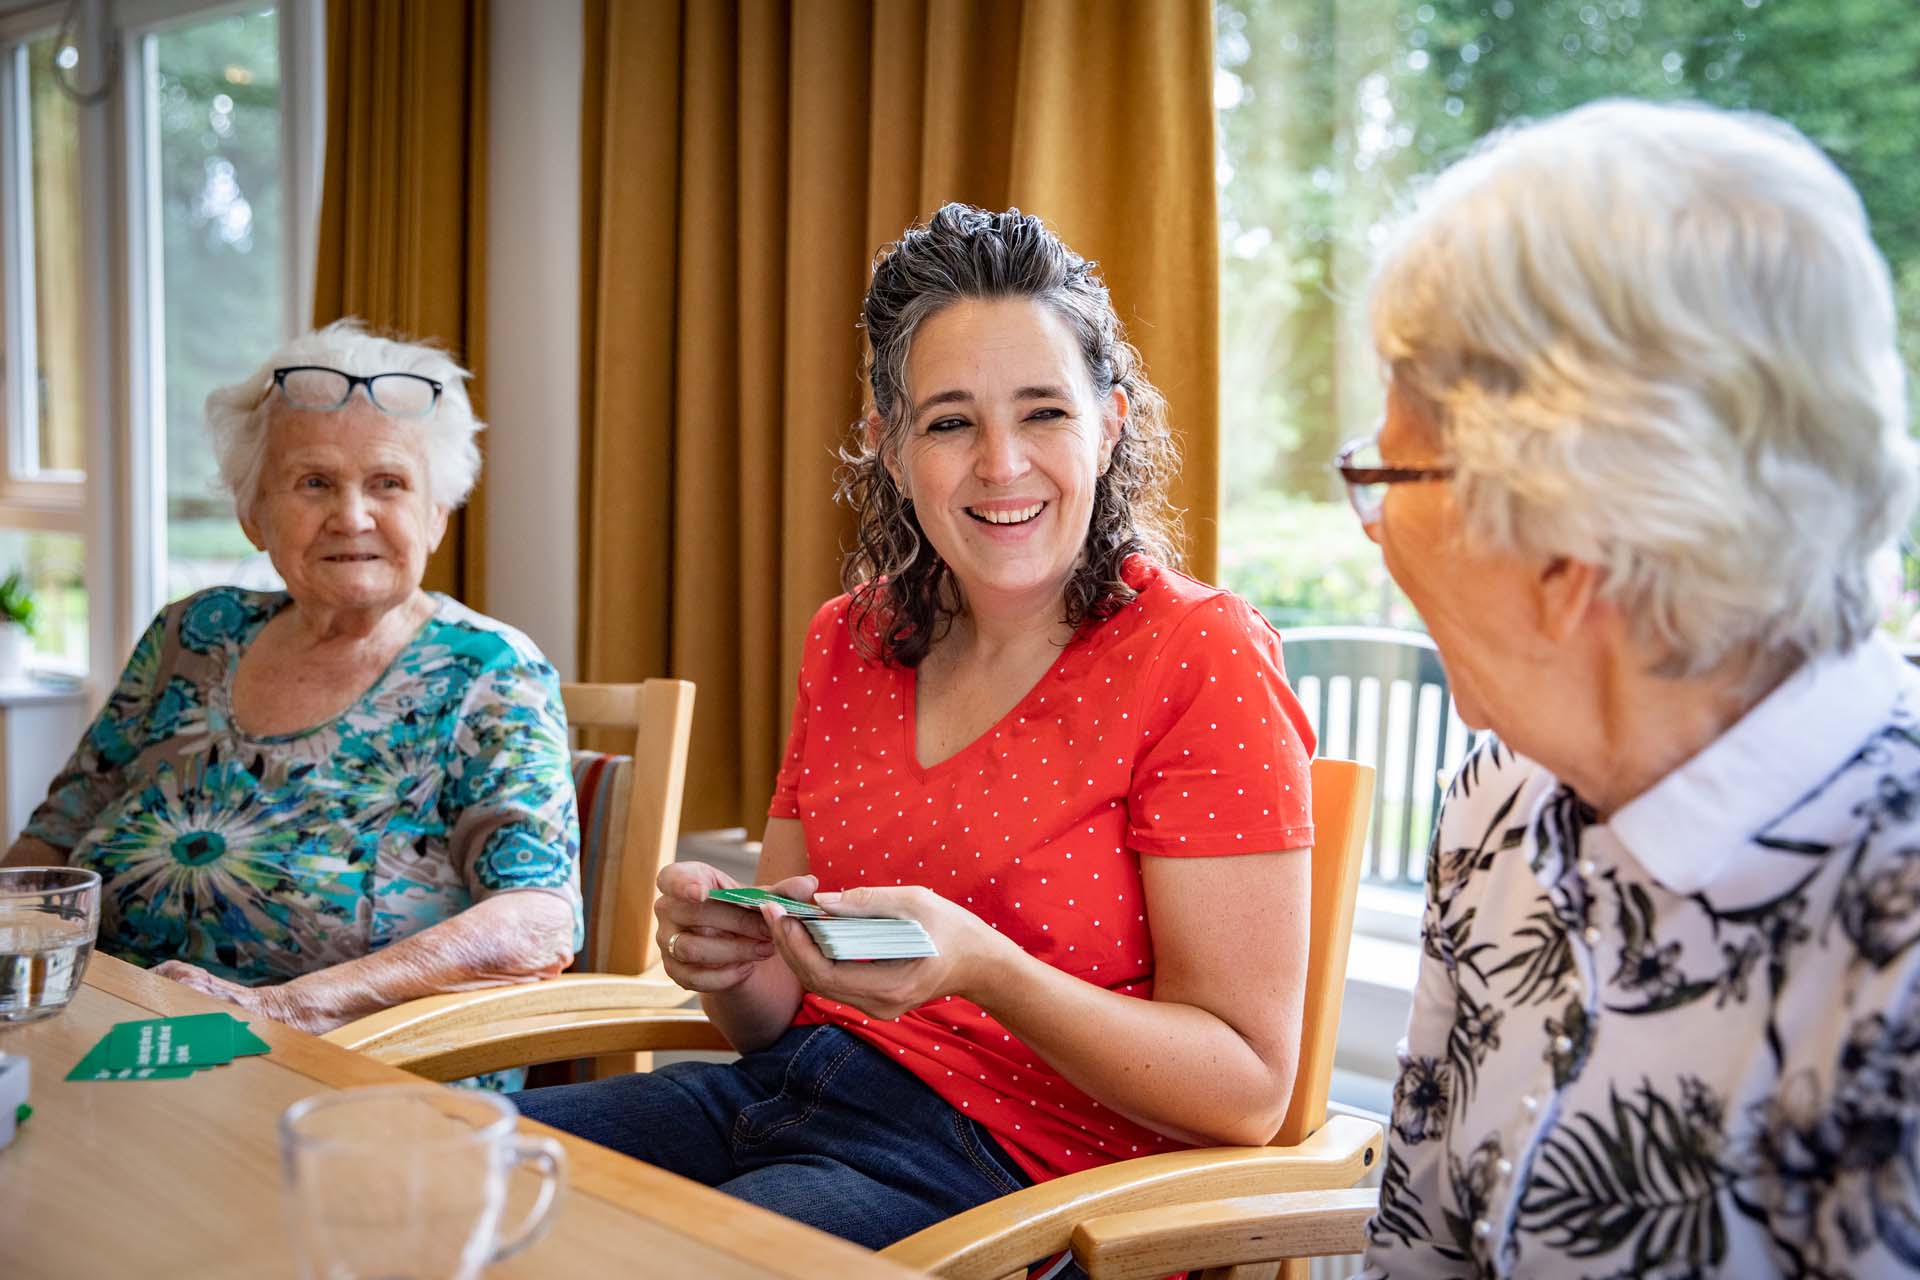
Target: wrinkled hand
x=971, y=952
x=718, y=945
x=282, y=1003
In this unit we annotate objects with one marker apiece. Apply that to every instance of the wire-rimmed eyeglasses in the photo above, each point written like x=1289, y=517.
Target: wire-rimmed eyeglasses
x=1367, y=476
x=321, y=389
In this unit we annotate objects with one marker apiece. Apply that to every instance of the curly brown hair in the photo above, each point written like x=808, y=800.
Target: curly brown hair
x=904, y=598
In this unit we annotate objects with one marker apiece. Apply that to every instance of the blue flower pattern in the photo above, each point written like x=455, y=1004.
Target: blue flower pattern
x=261, y=859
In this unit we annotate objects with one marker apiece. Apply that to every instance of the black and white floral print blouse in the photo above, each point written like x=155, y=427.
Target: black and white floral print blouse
x=1685, y=1041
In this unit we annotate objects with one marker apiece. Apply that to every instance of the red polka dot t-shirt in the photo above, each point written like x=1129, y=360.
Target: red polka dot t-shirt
x=1168, y=729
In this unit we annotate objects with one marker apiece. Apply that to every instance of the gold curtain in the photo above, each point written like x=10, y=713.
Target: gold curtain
x=402, y=238
x=743, y=161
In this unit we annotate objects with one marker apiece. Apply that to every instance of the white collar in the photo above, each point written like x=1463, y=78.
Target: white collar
x=1690, y=828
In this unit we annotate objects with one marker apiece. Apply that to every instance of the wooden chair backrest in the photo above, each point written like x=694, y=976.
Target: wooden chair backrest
x=660, y=713
x=1342, y=800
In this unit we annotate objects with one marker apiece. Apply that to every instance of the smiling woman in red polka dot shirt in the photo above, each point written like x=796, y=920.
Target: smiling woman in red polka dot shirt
x=1081, y=770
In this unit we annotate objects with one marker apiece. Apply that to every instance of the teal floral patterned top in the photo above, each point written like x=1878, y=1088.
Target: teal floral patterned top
x=261, y=859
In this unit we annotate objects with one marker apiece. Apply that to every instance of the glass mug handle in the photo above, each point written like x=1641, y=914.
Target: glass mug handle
x=550, y=1159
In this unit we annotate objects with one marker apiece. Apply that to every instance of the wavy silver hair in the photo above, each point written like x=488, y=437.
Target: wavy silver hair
x=238, y=416
x=1659, y=339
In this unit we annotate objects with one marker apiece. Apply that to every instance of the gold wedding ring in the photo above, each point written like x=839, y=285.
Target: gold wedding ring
x=673, y=941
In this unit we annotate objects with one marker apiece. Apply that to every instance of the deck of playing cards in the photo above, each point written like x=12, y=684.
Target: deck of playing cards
x=167, y=1048
x=842, y=937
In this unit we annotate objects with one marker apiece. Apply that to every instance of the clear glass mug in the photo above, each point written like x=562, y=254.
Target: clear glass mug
x=409, y=1181
x=49, y=917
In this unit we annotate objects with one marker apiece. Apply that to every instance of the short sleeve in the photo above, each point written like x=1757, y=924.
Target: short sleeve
x=1224, y=748
x=786, y=786
x=93, y=777
x=822, y=634
x=513, y=823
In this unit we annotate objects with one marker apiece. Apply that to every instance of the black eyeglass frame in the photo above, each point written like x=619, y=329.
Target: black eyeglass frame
x=356, y=380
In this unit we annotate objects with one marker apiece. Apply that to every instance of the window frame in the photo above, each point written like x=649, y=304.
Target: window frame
x=43, y=501
x=118, y=505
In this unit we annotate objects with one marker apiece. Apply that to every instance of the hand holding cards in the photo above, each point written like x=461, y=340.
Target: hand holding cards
x=167, y=1048
x=841, y=937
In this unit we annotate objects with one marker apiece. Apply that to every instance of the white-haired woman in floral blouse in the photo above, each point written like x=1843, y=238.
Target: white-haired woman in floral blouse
x=322, y=801
x=1646, y=428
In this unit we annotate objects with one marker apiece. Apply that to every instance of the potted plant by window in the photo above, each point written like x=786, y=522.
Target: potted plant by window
x=16, y=623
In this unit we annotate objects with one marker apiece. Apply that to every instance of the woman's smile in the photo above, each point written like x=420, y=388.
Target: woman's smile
x=1007, y=517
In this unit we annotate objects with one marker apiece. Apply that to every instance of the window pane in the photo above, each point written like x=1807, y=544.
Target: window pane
x=216, y=98
x=53, y=122
x=1303, y=176
x=1330, y=111
x=52, y=565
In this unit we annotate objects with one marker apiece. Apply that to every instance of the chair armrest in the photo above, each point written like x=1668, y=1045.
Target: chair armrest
x=1004, y=1235
x=555, y=1037
x=1225, y=1233
x=440, y=1020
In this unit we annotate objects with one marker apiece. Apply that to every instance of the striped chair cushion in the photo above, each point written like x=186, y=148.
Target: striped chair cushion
x=604, y=786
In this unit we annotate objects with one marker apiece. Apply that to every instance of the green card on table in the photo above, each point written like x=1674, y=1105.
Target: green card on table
x=167, y=1048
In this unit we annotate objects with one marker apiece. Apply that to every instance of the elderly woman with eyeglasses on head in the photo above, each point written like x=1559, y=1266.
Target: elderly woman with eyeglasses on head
x=323, y=801
x=1646, y=425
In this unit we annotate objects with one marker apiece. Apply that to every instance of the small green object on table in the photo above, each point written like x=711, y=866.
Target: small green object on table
x=167, y=1048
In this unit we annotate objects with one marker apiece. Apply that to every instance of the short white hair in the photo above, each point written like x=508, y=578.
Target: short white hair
x=1659, y=339
x=239, y=416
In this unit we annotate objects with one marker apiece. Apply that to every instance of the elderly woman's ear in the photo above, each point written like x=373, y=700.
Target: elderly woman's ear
x=251, y=527
x=1568, y=599
x=437, y=527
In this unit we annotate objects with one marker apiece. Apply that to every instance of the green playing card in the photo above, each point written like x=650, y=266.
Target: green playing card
x=168, y=1048
x=246, y=1043
x=197, y=1040
x=751, y=898
x=94, y=1067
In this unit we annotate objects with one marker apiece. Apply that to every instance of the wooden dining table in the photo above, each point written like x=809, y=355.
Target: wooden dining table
x=168, y=1178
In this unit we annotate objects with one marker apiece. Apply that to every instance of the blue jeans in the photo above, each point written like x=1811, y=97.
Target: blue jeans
x=818, y=1126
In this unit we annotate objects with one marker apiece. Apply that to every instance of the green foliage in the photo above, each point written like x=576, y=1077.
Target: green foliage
x=1331, y=111
x=1306, y=563
x=217, y=95
x=16, y=600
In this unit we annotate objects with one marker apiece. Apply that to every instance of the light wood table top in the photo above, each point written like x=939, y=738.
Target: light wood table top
x=182, y=1177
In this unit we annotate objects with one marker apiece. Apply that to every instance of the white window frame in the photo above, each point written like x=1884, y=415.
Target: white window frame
x=119, y=505
x=29, y=497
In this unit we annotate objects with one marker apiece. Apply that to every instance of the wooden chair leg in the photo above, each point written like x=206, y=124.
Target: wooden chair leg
x=621, y=1064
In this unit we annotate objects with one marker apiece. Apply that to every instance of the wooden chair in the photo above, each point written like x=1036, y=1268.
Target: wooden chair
x=1241, y=1237
x=1311, y=1152
x=629, y=823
